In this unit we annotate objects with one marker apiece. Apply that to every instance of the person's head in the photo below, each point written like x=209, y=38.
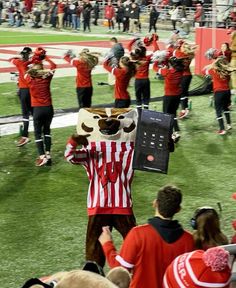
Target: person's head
x=36, y=71
x=204, y=216
x=176, y=63
x=125, y=62
x=220, y=65
x=120, y=277
x=168, y=201
x=187, y=48
x=138, y=53
x=225, y=47
x=206, y=222
x=25, y=53
x=88, y=58
x=113, y=41
x=40, y=53
x=200, y=269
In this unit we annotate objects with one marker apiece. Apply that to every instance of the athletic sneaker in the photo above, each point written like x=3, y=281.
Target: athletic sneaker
x=49, y=159
x=221, y=132
x=41, y=161
x=22, y=141
x=229, y=127
x=175, y=137
x=183, y=113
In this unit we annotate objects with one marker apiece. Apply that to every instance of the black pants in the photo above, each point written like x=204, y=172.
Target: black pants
x=122, y=103
x=122, y=223
x=126, y=24
x=152, y=25
x=222, y=100
x=54, y=21
x=26, y=109
x=110, y=24
x=170, y=106
x=42, y=117
x=119, y=21
x=142, y=92
x=87, y=24
x=84, y=96
x=174, y=24
x=185, y=83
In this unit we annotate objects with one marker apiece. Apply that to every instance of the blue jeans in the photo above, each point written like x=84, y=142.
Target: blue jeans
x=18, y=23
x=11, y=19
x=75, y=21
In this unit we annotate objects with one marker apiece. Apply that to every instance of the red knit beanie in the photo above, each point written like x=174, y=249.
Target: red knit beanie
x=199, y=269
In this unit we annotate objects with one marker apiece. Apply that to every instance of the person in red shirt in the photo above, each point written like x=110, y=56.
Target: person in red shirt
x=186, y=52
x=225, y=51
x=148, y=249
x=123, y=73
x=142, y=82
x=220, y=73
x=60, y=13
x=24, y=94
x=172, y=76
x=199, y=15
x=84, y=65
x=109, y=15
x=39, y=80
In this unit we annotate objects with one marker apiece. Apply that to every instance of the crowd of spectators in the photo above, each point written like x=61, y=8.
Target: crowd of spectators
x=125, y=16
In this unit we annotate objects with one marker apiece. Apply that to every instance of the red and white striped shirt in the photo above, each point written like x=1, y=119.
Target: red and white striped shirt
x=109, y=169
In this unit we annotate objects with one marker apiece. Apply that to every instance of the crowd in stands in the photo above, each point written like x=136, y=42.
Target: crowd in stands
x=126, y=16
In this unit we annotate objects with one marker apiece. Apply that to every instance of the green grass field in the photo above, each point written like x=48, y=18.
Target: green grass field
x=43, y=210
x=22, y=37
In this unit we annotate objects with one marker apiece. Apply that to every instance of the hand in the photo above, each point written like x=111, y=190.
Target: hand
x=155, y=37
x=46, y=58
x=105, y=235
x=81, y=139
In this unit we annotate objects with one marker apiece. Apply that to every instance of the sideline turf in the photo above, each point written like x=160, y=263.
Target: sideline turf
x=43, y=209
x=21, y=37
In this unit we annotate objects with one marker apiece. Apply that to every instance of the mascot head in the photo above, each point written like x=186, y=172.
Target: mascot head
x=108, y=124
x=117, y=277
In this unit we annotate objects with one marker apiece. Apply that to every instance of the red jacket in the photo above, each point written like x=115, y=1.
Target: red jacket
x=199, y=13
x=61, y=8
x=109, y=12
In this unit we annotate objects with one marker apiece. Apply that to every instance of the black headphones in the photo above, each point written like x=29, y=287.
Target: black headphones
x=198, y=212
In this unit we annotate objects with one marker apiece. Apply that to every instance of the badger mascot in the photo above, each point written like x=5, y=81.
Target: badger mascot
x=117, y=277
x=104, y=145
